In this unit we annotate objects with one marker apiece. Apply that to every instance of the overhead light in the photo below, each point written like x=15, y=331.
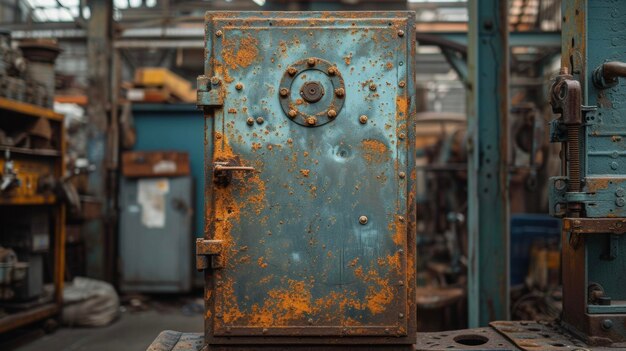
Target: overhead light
x=120, y=4
x=259, y=2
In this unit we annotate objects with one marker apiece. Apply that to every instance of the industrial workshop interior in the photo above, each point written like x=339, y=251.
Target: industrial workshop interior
x=304, y=175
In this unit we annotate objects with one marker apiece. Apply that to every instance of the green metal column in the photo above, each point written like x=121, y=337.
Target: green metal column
x=488, y=196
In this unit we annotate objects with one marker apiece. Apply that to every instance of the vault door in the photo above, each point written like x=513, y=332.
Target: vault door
x=310, y=174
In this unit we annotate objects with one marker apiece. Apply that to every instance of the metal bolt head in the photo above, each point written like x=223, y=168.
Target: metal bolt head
x=401, y=136
x=614, y=165
x=400, y=282
x=250, y=121
x=363, y=119
x=332, y=113
x=292, y=113
x=284, y=92
x=400, y=33
x=292, y=71
x=620, y=202
x=218, y=33
x=332, y=70
x=310, y=321
x=401, y=175
x=607, y=324
x=260, y=120
x=238, y=86
x=215, y=81
x=401, y=218
x=373, y=87
x=363, y=219
x=402, y=84
x=619, y=192
x=387, y=331
x=310, y=61
x=400, y=315
x=311, y=120
x=264, y=331
x=340, y=92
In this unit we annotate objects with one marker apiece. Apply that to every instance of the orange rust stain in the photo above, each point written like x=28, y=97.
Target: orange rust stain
x=266, y=279
x=261, y=262
x=230, y=310
x=402, y=108
x=313, y=191
x=394, y=261
x=256, y=146
x=374, y=151
x=240, y=53
x=305, y=172
x=348, y=59
x=398, y=228
x=282, y=306
x=379, y=292
x=596, y=184
x=222, y=71
x=389, y=65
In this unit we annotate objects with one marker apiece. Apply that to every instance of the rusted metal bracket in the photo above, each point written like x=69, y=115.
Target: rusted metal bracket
x=595, y=225
x=530, y=336
x=566, y=99
x=210, y=92
x=209, y=249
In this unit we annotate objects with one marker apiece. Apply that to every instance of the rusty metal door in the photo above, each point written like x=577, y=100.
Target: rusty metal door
x=309, y=175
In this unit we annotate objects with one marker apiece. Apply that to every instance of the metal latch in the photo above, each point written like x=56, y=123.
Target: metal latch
x=222, y=171
x=209, y=249
x=210, y=92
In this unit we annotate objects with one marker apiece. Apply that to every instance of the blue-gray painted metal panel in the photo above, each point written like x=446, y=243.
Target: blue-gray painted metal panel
x=299, y=258
x=605, y=163
x=156, y=258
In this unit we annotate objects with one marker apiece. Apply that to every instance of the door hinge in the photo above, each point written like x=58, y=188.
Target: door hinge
x=210, y=92
x=209, y=254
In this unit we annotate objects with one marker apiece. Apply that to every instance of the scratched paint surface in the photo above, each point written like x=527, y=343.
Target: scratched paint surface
x=296, y=253
x=605, y=162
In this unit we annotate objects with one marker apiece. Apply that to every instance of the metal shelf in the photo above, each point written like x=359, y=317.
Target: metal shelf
x=32, y=152
x=28, y=200
x=25, y=109
x=16, y=320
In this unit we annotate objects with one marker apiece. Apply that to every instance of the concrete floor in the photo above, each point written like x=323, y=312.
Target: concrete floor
x=133, y=331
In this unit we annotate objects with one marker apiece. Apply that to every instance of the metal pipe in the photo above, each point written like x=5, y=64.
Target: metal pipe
x=607, y=75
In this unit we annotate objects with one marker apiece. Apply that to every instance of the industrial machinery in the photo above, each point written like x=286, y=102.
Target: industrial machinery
x=27, y=74
x=32, y=166
x=304, y=226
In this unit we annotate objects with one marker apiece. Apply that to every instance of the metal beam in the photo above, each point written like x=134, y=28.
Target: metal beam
x=535, y=39
x=99, y=33
x=488, y=196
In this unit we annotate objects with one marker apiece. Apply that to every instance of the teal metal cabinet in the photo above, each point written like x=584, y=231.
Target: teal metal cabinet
x=155, y=234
